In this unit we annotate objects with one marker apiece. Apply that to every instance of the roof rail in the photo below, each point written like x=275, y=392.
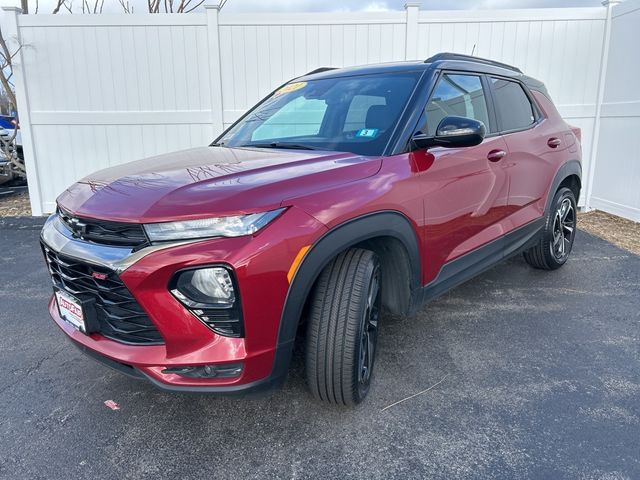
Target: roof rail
x=470, y=58
x=320, y=70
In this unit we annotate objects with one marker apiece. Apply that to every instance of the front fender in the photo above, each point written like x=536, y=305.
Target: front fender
x=378, y=224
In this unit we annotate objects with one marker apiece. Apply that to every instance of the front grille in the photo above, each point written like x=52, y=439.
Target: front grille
x=119, y=315
x=105, y=232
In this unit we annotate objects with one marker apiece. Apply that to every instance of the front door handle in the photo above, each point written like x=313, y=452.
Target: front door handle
x=554, y=142
x=496, y=155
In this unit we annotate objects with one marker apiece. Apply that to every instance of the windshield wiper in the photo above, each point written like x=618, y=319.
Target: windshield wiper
x=292, y=146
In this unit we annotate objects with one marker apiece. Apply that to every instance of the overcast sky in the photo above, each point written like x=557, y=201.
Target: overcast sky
x=112, y=6
x=373, y=5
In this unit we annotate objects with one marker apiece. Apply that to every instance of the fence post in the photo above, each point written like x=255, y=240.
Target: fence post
x=215, y=71
x=412, y=10
x=11, y=33
x=608, y=4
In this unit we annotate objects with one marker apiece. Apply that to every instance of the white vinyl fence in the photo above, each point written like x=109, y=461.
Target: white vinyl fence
x=99, y=90
x=616, y=173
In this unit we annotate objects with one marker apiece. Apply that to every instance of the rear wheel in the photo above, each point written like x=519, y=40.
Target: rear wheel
x=343, y=328
x=556, y=239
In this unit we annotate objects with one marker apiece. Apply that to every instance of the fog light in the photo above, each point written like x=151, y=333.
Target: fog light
x=229, y=370
x=211, y=294
x=205, y=287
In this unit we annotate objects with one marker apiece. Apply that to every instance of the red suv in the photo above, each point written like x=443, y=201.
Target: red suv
x=343, y=194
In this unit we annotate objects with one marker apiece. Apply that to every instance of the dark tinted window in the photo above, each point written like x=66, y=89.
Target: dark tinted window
x=456, y=95
x=512, y=105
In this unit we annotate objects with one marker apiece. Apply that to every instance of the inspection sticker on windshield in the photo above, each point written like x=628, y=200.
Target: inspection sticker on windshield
x=367, y=132
x=291, y=87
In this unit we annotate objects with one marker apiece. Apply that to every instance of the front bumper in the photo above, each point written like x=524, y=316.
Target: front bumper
x=154, y=375
x=261, y=264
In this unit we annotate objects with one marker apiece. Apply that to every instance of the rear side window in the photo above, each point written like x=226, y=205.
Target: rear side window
x=456, y=95
x=512, y=105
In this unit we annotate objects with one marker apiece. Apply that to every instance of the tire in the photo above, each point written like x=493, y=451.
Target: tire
x=556, y=239
x=344, y=312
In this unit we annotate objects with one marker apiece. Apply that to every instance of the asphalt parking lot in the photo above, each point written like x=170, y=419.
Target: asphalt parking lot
x=536, y=374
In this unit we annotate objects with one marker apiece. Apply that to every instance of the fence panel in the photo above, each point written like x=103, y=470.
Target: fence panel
x=616, y=181
x=103, y=92
x=259, y=53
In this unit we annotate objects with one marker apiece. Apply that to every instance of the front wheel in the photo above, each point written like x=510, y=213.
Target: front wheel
x=343, y=328
x=556, y=239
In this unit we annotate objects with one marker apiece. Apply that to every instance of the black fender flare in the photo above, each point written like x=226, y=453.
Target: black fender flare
x=572, y=167
x=378, y=224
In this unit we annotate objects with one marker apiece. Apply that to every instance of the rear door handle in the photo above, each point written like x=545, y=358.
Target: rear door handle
x=496, y=155
x=553, y=142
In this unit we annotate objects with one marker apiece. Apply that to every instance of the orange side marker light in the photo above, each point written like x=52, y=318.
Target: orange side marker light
x=296, y=262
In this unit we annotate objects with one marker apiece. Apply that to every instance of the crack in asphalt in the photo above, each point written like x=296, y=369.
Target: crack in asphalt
x=29, y=370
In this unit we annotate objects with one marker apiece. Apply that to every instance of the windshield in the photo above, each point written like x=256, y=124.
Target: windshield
x=349, y=114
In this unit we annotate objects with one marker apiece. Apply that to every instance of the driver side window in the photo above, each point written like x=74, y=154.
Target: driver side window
x=457, y=95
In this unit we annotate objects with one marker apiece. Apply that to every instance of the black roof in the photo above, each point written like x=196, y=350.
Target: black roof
x=329, y=72
x=443, y=57
x=453, y=61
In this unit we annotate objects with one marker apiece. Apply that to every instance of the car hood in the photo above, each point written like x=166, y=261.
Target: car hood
x=210, y=181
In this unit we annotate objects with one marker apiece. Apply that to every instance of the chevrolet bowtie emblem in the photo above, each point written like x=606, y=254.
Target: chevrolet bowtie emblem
x=79, y=228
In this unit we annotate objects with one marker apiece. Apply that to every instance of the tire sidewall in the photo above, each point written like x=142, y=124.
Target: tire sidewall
x=360, y=391
x=559, y=197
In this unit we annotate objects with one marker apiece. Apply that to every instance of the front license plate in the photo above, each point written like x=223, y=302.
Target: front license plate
x=70, y=309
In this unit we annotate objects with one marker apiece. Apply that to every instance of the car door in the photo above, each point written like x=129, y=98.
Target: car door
x=532, y=142
x=465, y=189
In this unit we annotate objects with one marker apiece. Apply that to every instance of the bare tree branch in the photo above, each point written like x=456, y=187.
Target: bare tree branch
x=196, y=6
x=7, y=70
x=125, y=6
x=58, y=6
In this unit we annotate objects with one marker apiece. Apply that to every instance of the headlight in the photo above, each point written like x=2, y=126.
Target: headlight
x=210, y=227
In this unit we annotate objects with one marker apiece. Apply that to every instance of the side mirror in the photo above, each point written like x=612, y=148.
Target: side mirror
x=453, y=132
